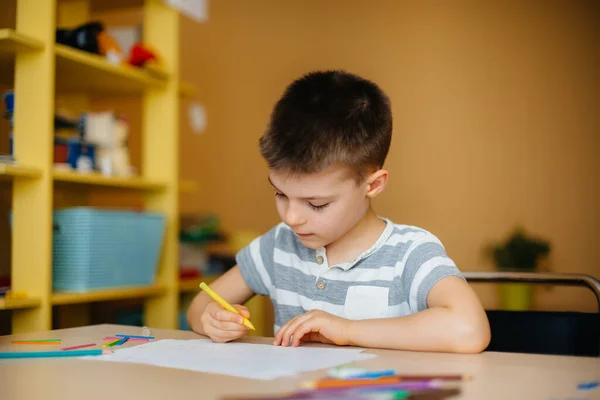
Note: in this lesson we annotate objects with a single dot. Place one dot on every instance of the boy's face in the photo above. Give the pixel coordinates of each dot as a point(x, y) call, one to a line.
point(320, 207)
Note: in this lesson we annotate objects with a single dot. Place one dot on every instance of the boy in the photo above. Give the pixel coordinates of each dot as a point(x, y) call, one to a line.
point(335, 271)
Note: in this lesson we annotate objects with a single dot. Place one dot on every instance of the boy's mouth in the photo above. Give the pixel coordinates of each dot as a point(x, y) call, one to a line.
point(304, 234)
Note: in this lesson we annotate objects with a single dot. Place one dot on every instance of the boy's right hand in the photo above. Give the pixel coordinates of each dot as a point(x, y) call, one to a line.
point(224, 326)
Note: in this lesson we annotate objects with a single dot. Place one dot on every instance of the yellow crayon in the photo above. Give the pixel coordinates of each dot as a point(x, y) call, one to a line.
point(224, 304)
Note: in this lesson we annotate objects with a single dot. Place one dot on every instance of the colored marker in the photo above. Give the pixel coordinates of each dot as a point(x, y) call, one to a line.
point(388, 380)
point(36, 341)
point(225, 304)
point(119, 335)
point(588, 385)
point(121, 341)
point(32, 342)
point(373, 374)
point(412, 386)
point(391, 394)
point(41, 354)
point(111, 344)
point(128, 337)
point(81, 346)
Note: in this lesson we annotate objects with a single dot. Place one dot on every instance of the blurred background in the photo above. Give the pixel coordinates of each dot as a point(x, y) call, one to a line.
point(496, 109)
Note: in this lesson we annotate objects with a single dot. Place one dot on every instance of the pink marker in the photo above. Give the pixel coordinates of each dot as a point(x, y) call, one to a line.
point(81, 346)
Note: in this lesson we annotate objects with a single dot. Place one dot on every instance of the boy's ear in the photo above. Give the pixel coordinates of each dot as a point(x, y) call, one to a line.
point(376, 182)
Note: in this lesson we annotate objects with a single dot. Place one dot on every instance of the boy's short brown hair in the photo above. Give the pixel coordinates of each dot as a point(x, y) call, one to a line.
point(327, 118)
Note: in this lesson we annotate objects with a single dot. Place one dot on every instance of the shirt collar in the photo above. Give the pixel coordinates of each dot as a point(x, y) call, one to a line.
point(389, 227)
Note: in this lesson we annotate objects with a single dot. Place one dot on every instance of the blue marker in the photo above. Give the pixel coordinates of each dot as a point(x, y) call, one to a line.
point(374, 374)
point(41, 354)
point(134, 336)
point(588, 385)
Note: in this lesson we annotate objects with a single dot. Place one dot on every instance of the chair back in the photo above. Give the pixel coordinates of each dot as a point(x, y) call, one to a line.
point(543, 332)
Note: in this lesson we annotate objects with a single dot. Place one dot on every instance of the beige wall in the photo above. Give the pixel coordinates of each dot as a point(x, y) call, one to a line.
point(496, 111)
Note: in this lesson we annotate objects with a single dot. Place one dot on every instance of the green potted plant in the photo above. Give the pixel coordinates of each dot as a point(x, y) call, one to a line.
point(521, 252)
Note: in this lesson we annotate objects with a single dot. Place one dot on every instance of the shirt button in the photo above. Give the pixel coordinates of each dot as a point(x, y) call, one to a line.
point(320, 260)
point(321, 285)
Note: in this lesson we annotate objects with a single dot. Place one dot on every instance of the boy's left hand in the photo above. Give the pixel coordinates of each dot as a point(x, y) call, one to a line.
point(314, 326)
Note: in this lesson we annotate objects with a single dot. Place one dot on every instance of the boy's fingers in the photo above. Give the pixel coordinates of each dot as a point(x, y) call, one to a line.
point(302, 330)
point(285, 328)
point(278, 337)
point(228, 326)
point(225, 336)
point(224, 315)
point(243, 310)
point(292, 327)
point(281, 332)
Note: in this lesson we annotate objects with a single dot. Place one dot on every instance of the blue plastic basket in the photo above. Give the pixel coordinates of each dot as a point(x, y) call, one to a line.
point(97, 249)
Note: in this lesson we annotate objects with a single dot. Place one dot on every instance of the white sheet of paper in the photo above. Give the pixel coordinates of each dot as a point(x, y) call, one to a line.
point(246, 360)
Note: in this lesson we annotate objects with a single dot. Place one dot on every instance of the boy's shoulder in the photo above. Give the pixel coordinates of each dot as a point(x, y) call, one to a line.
point(406, 234)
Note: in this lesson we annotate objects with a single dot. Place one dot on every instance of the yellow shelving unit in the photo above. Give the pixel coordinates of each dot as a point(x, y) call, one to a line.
point(15, 304)
point(42, 70)
point(94, 178)
point(12, 43)
point(12, 171)
point(77, 70)
point(107, 295)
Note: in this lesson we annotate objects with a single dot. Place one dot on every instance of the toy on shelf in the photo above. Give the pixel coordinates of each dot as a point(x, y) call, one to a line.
point(65, 148)
point(83, 37)
point(140, 55)
point(109, 48)
point(93, 37)
point(9, 103)
point(95, 141)
point(108, 132)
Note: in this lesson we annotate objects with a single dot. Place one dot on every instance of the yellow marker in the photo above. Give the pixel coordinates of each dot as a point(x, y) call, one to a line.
point(111, 343)
point(224, 304)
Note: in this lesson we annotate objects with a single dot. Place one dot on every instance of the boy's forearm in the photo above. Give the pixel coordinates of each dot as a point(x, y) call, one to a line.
point(435, 329)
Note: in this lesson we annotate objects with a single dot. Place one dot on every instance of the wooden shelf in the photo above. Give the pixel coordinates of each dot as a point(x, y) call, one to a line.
point(10, 171)
point(12, 42)
point(79, 71)
point(40, 70)
point(13, 304)
point(107, 295)
point(192, 284)
point(94, 178)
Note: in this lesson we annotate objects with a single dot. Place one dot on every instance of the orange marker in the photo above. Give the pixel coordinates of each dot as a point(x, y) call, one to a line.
point(30, 342)
point(390, 380)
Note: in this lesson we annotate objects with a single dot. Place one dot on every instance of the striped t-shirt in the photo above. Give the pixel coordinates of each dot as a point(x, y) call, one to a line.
point(391, 279)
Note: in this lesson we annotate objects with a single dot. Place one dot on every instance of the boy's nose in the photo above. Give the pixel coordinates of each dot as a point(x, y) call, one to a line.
point(293, 217)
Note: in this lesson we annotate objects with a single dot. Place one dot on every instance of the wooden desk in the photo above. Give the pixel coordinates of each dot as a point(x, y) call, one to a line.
point(495, 375)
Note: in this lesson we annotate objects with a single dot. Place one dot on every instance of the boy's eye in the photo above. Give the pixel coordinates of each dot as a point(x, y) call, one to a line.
point(279, 195)
point(320, 207)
